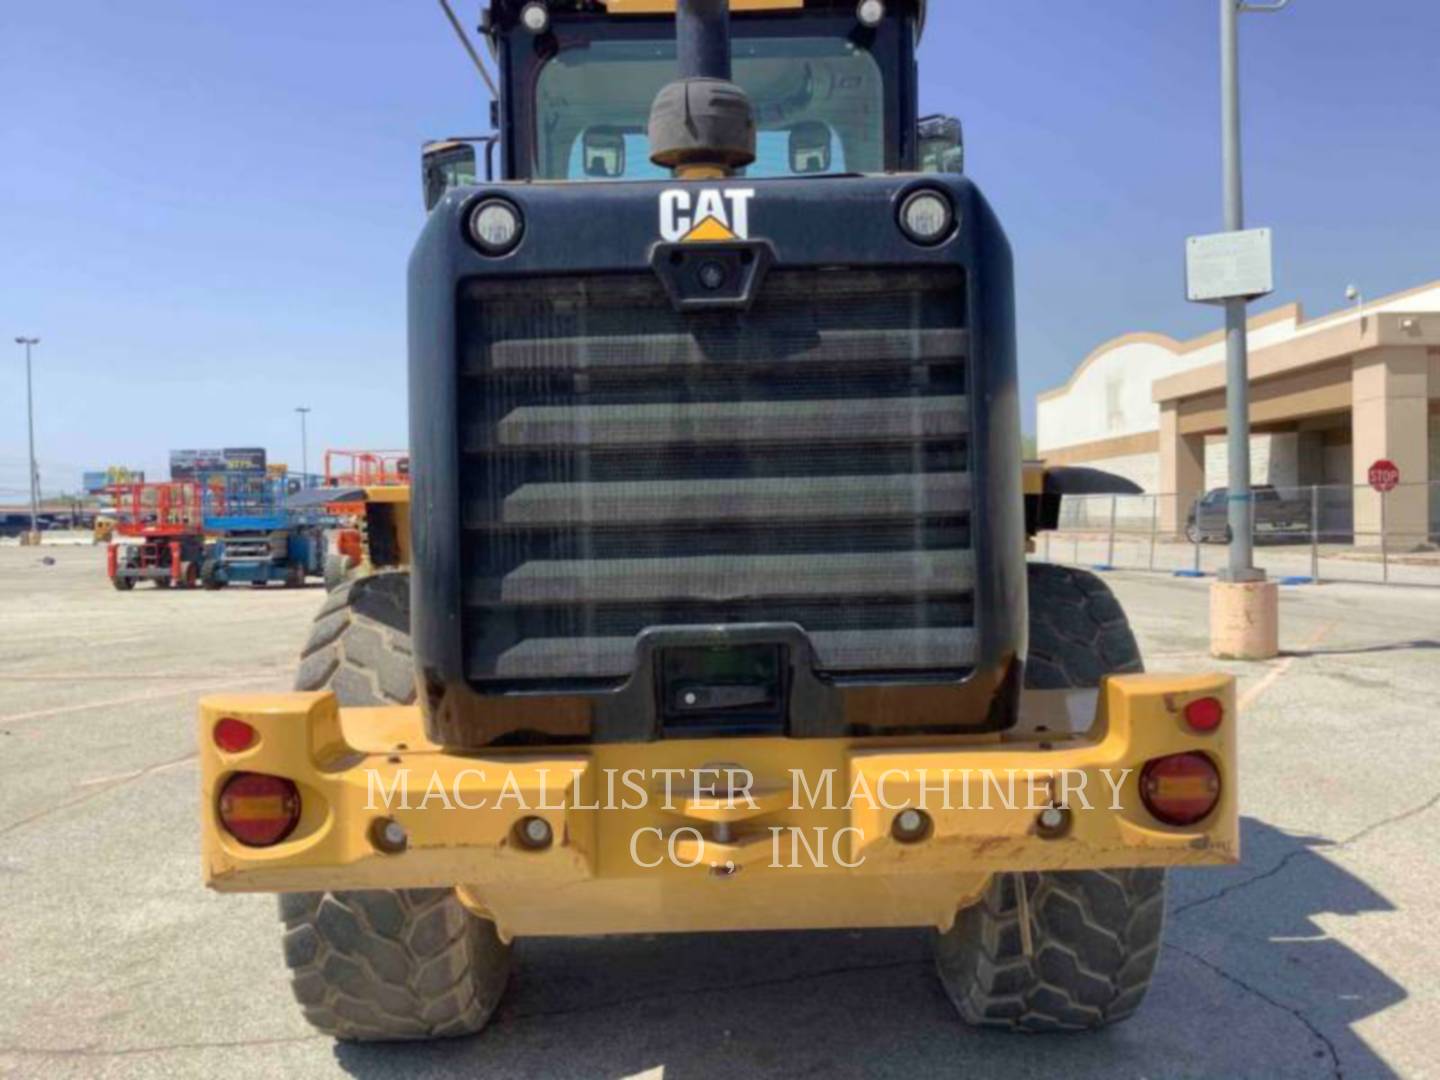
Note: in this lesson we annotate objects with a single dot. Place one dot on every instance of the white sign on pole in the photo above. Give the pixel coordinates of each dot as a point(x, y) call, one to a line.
point(1229, 266)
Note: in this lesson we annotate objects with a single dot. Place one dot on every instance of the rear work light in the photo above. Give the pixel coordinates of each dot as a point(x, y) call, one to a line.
point(1204, 715)
point(1180, 790)
point(233, 735)
point(259, 810)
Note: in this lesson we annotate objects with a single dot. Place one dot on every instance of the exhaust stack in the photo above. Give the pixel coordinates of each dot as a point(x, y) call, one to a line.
point(702, 126)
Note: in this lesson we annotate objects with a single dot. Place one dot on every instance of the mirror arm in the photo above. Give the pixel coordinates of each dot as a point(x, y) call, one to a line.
point(469, 48)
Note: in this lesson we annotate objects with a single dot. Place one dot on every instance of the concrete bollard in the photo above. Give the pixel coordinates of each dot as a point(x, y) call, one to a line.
point(1244, 620)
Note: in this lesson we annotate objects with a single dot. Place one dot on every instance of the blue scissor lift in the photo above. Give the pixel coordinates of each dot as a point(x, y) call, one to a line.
point(256, 537)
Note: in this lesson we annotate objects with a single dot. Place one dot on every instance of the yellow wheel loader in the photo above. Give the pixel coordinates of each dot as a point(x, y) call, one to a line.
point(708, 607)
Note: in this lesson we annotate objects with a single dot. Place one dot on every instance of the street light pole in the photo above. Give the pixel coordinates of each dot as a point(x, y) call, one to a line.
point(1237, 359)
point(30, 342)
point(304, 447)
point(1237, 347)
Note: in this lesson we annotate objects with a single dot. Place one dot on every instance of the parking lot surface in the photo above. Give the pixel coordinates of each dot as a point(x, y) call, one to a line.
point(1317, 957)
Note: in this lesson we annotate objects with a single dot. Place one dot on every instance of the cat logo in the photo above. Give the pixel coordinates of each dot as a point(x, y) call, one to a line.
point(688, 216)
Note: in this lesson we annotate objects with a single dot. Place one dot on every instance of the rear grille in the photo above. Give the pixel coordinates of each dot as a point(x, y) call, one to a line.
point(624, 467)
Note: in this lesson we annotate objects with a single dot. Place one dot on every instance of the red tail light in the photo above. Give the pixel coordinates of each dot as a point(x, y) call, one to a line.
point(259, 810)
point(1180, 790)
point(233, 735)
point(1204, 715)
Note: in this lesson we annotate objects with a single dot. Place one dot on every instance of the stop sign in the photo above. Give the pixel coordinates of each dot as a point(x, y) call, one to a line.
point(1384, 476)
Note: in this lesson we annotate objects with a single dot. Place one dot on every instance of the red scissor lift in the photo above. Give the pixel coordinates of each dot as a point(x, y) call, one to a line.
point(366, 468)
point(159, 534)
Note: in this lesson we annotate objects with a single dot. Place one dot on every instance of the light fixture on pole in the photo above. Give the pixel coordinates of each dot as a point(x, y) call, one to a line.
point(304, 411)
point(1352, 293)
point(29, 343)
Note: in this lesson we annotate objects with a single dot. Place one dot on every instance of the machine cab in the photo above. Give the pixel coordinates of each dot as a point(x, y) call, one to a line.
point(833, 86)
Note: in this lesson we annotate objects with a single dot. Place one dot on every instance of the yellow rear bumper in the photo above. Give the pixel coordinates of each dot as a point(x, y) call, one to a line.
point(710, 834)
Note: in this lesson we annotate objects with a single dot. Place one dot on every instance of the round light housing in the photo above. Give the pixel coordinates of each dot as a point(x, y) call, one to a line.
point(234, 736)
point(1181, 789)
point(1204, 715)
point(259, 810)
point(495, 226)
point(927, 217)
point(870, 12)
point(535, 17)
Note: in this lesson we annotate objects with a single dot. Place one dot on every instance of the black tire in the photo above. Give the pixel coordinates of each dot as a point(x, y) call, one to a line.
point(1078, 631)
point(122, 584)
point(337, 571)
point(375, 966)
point(1193, 534)
point(360, 644)
point(1095, 934)
point(210, 575)
point(386, 966)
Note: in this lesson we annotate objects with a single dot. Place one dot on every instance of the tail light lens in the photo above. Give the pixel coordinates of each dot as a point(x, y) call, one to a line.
point(233, 736)
point(1180, 790)
point(1204, 715)
point(259, 810)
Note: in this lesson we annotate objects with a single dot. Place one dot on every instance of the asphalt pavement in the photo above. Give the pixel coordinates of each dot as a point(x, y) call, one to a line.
point(1317, 957)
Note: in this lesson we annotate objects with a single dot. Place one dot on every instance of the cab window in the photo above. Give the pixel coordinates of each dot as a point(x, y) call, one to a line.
point(593, 103)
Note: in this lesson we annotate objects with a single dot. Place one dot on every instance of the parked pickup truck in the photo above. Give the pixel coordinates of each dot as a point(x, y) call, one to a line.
point(1209, 518)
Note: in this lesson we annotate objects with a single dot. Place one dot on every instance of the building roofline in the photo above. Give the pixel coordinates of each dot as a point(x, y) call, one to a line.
point(1258, 322)
point(1170, 344)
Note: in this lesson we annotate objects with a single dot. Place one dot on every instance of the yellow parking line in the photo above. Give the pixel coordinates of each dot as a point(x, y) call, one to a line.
point(1279, 670)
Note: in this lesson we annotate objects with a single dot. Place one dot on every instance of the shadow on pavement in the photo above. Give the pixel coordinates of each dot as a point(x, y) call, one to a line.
point(1248, 986)
point(1398, 646)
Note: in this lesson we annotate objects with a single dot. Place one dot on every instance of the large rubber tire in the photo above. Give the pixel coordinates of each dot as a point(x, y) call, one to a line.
point(1096, 937)
point(1095, 934)
point(377, 966)
point(337, 571)
point(122, 584)
point(384, 966)
point(360, 644)
point(1078, 631)
point(210, 575)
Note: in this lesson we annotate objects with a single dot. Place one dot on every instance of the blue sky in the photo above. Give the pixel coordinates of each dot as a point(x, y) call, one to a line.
point(205, 209)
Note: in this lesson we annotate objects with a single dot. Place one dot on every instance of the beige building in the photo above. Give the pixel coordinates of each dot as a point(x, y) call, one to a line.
point(1329, 397)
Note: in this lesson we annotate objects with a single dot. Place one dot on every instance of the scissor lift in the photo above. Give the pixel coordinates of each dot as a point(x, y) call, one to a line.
point(255, 537)
point(348, 474)
point(159, 534)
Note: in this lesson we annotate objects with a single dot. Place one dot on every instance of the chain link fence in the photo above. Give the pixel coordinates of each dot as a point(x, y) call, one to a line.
point(1301, 534)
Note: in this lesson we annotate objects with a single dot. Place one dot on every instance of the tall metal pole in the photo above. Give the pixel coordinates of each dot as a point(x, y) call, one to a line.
point(28, 342)
point(1237, 361)
point(304, 448)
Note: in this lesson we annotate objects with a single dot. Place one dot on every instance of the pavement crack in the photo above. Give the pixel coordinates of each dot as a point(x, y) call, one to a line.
point(1254, 991)
point(95, 792)
point(1289, 857)
point(756, 984)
